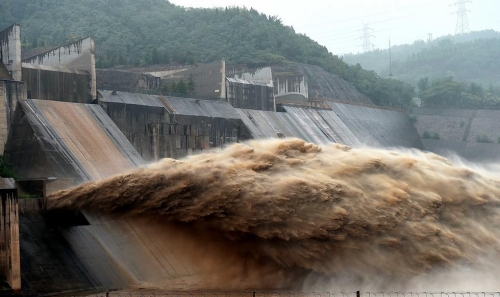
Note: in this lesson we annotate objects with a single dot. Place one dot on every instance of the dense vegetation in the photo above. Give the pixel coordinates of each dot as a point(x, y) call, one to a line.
point(181, 88)
point(5, 170)
point(447, 92)
point(145, 32)
point(473, 57)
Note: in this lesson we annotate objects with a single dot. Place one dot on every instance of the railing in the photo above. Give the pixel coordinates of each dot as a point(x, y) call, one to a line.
point(159, 92)
point(361, 104)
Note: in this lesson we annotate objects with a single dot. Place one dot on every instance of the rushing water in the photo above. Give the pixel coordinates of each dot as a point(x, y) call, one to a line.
point(360, 218)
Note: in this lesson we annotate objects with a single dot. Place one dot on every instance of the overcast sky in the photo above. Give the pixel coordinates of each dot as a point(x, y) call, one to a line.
point(337, 24)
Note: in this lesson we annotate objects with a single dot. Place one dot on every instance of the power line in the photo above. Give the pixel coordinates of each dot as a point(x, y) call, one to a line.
point(350, 30)
point(462, 19)
point(343, 20)
point(365, 37)
point(366, 16)
point(341, 36)
point(356, 37)
point(331, 42)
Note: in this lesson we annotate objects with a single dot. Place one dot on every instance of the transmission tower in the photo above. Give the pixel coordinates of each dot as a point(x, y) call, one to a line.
point(365, 37)
point(462, 19)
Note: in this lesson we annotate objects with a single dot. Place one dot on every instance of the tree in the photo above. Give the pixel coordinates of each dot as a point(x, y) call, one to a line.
point(446, 92)
point(121, 60)
point(181, 89)
point(423, 84)
point(165, 89)
point(491, 89)
point(166, 58)
point(469, 57)
point(5, 170)
point(476, 89)
point(191, 85)
point(196, 35)
point(155, 56)
point(173, 88)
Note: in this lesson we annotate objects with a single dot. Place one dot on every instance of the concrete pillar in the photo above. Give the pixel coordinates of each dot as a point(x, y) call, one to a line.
point(78, 55)
point(305, 87)
point(223, 80)
point(10, 48)
point(9, 239)
point(10, 93)
point(4, 125)
point(15, 256)
point(92, 70)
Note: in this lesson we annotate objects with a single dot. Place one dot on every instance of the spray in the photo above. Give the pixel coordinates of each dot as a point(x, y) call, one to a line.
point(344, 218)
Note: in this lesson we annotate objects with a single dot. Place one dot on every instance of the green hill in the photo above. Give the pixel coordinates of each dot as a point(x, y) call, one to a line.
point(145, 32)
point(473, 57)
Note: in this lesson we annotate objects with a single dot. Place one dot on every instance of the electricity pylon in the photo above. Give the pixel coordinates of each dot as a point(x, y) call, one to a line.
point(365, 37)
point(462, 19)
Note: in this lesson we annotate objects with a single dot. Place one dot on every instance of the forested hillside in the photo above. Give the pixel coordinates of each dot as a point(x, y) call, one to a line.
point(447, 92)
point(473, 57)
point(145, 32)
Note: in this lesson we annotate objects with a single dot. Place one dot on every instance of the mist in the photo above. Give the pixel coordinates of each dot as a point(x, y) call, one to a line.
point(330, 217)
point(338, 24)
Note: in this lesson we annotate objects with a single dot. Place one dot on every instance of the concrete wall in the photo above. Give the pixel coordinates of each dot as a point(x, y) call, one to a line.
point(4, 73)
point(320, 83)
point(10, 265)
point(291, 97)
point(451, 128)
point(57, 83)
point(248, 95)
point(288, 87)
point(48, 264)
point(459, 124)
point(210, 79)
point(378, 127)
point(286, 83)
point(43, 187)
point(485, 126)
point(148, 82)
point(10, 93)
point(157, 134)
point(117, 80)
point(261, 75)
point(162, 73)
point(121, 80)
point(67, 140)
point(312, 125)
point(450, 124)
point(471, 134)
point(77, 55)
point(10, 50)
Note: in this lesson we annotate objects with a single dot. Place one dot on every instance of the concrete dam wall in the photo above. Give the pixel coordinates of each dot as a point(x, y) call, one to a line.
point(322, 84)
point(69, 143)
point(161, 127)
point(471, 134)
point(66, 140)
point(56, 140)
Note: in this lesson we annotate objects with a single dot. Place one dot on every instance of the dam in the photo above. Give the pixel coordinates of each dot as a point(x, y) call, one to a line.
point(89, 154)
point(96, 249)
